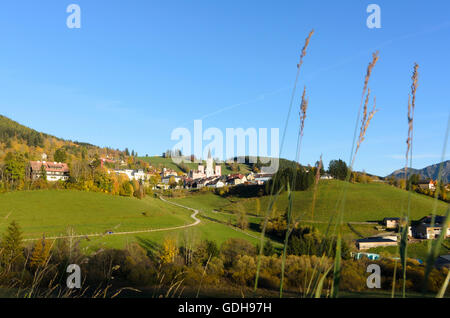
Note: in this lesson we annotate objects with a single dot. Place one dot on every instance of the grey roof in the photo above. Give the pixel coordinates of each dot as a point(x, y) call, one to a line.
point(375, 239)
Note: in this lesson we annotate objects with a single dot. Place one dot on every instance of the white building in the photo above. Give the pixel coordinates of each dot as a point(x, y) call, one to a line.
point(133, 174)
point(166, 180)
point(211, 171)
point(54, 171)
point(261, 178)
point(216, 184)
point(168, 172)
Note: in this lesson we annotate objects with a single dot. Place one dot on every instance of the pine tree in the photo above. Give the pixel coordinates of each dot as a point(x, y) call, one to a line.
point(12, 246)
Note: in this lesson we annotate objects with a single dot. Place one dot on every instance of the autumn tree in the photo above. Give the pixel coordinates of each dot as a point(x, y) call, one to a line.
point(241, 217)
point(14, 167)
point(41, 253)
point(169, 251)
point(126, 190)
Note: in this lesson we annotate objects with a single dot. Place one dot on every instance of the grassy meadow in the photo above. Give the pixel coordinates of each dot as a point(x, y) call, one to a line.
point(364, 203)
point(54, 212)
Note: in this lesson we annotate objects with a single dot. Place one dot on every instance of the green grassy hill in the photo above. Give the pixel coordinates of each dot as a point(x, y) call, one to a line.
point(365, 202)
point(53, 212)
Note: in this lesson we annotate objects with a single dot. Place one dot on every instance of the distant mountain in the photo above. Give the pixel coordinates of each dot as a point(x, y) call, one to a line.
point(429, 172)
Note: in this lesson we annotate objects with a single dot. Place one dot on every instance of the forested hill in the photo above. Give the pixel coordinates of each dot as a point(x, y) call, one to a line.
point(9, 129)
point(15, 137)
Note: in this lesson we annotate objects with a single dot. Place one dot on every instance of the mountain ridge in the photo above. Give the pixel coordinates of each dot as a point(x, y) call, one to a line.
point(428, 172)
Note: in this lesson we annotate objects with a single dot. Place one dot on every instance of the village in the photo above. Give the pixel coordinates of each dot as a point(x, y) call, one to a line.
point(210, 176)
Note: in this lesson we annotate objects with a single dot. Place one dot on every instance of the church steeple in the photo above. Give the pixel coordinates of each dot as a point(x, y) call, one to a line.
point(209, 165)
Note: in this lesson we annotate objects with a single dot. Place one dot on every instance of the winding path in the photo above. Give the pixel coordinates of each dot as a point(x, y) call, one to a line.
point(193, 216)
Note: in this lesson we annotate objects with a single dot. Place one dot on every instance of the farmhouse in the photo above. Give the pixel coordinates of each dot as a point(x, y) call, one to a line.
point(376, 241)
point(426, 229)
point(428, 185)
point(236, 179)
point(168, 172)
point(133, 174)
point(216, 184)
point(168, 179)
point(391, 223)
point(55, 171)
point(261, 178)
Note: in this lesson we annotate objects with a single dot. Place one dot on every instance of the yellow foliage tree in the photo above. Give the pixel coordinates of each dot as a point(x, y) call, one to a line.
point(41, 253)
point(169, 251)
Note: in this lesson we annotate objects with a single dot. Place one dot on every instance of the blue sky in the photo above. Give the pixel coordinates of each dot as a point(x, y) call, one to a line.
point(136, 70)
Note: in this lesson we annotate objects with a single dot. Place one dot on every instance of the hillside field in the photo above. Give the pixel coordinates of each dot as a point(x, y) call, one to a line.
point(53, 212)
point(365, 203)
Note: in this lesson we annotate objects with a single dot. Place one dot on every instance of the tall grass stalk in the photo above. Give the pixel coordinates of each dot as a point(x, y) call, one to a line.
point(433, 249)
point(394, 279)
point(408, 155)
point(316, 183)
point(289, 224)
point(283, 261)
point(340, 204)
point(273, 197)
point(443, 288)
point(319, 287)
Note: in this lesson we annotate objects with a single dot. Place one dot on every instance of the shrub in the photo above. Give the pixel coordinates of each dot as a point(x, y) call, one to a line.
point(234, 247)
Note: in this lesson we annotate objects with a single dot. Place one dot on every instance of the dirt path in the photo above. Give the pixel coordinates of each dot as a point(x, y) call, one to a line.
point(193, 216)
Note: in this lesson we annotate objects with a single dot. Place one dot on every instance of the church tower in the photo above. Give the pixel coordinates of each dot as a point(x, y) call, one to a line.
point(209, 165)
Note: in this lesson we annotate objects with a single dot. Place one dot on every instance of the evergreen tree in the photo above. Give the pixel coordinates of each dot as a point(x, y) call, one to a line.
point(43, 173)
point(338, 169)
point(268, 249)
point(60, 155)
point(12, 247)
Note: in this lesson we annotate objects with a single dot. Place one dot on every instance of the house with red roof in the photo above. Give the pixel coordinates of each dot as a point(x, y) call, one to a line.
point(55, 171)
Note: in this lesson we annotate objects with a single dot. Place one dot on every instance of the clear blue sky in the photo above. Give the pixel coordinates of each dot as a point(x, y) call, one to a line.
point(138, 69)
